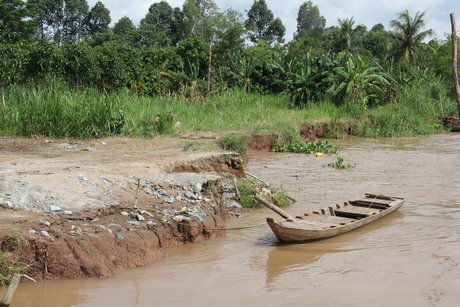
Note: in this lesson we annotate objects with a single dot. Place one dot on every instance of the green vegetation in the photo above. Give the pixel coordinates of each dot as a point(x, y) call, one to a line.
point(8, 262)
point(248, 187)
point(307, 148)
point(236, 143)
point(339, 163)
point(65, 72)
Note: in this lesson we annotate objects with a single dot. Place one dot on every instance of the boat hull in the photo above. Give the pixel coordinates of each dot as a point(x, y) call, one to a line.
point(330, 221)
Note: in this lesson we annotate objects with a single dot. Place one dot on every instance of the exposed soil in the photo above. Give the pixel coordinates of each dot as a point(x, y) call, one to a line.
point(83, 209)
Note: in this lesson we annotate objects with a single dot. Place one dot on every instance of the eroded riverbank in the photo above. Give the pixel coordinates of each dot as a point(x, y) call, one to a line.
point(84, 209)
point(409, 258)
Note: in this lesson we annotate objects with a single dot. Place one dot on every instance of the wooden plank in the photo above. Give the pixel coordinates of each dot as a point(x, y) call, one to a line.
point(6, 301)
point(333, 219)
point(355, 210)
point(272, 206)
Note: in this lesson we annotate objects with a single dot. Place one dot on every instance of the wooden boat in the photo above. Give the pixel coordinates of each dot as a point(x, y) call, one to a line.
point(333, 220)
point(452, 122)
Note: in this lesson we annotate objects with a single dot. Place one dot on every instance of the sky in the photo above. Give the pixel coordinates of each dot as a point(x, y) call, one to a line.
point(367, 12)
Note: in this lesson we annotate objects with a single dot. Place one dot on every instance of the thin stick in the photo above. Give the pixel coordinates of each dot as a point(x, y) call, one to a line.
point(255, 177)
point(28, 277)
point(6, 301)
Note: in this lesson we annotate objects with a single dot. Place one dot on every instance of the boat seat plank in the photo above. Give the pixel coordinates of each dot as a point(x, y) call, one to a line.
point(328, 218)
point(376, 201)
point(360, 211)
point(309, 224)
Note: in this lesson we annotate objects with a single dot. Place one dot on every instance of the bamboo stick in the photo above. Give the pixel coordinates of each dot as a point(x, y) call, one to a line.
point(272, 206)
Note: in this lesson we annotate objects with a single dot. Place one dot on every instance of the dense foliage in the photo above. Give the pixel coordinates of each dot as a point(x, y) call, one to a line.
point(198, 50)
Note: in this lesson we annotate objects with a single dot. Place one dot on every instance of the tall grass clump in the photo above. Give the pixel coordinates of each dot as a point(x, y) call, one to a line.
point(236, 143)
point(56, 111)
point(417, 110)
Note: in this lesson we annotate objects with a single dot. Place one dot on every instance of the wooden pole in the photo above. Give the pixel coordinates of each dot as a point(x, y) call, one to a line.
point(454, 61)
point(6, 301)
point(272, 206)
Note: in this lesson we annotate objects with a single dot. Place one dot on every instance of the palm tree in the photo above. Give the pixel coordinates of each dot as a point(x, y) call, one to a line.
point(358, 82)
point(347, 31)
point(408, 35)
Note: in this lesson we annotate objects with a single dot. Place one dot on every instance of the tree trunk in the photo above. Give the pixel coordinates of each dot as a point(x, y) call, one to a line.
point(454, 62)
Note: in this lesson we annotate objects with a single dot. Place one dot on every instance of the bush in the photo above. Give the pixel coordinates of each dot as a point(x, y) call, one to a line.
point(307, 148)
point(236, 143)
point(161, 124)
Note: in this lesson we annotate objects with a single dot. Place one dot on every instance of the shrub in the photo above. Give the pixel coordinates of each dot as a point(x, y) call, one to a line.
point(236, 143)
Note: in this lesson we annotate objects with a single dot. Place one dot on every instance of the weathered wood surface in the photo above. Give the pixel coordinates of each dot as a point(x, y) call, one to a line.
point(272, 206)
point(6, 301)
point(331, 221)
point(454, 61)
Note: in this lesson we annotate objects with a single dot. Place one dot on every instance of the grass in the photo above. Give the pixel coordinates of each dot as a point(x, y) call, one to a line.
point(236, 143)
point(248, 187)
point(56, 111)
point(8, 264)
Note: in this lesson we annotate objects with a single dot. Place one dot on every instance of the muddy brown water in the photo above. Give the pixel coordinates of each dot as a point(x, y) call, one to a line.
point(409, 258)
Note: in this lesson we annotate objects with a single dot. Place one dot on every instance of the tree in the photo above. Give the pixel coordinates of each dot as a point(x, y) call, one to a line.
point(309, 21)
point(347, 32)
point(200, 18)
point(376, 41)
point(14, 25)
point(47, 16)
point(229, 34)
point(162, 25)
point(98, 19)
point(408, 36)
point(73, 23)
point(262, 25)
point(124, 30)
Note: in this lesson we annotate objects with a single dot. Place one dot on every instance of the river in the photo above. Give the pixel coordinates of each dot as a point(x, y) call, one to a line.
point(410, 258)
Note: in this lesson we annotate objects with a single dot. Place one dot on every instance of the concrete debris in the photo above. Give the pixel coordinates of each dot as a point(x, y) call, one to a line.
point(54, 208)
point(120, 236)
point(44, 234)
point(134, 223)
point(46, 223)
point(146, 213)
point(68, 212)
point(234, 205)
point(197, 187)
point(191, 195)
point(182, 218)
point(124, 213)
point(169, 200)
point(32, 231)
point(140, 217)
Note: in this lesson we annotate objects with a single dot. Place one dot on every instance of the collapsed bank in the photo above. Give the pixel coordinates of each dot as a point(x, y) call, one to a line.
point(85, 209)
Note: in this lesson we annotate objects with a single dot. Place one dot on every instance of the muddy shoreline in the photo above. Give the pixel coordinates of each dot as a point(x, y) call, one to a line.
point(72, 209)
